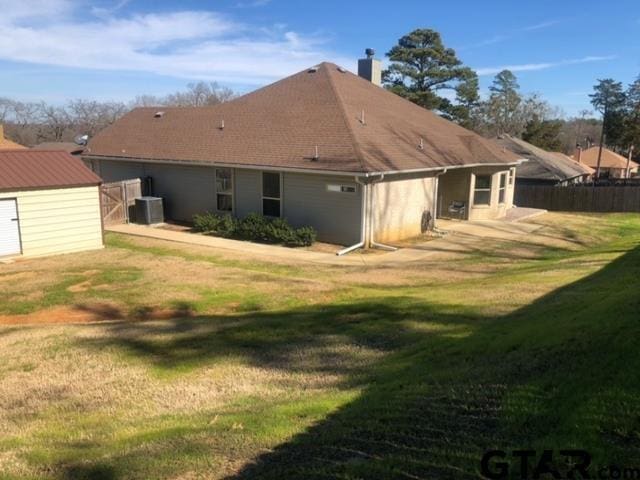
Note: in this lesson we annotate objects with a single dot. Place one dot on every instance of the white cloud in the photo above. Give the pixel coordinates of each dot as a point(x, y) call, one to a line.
point(252, 3)
point(185, 44)
point(527, 67)
point(507, 36)
point(539, 26)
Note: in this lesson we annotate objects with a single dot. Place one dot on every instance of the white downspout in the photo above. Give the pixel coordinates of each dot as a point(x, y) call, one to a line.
point(372, 242)
point(363, 227)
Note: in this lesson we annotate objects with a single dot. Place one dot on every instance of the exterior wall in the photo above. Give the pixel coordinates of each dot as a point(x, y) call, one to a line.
point(494, 209)
point(459, 184)
point(400, 204)
point(305, 199)
point(248, 185)
point(335, 215)
point(186, 190)
point(453, 186)
point(58, 220)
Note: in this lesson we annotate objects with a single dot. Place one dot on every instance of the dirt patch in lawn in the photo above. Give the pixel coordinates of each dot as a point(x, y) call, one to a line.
point(92, 313)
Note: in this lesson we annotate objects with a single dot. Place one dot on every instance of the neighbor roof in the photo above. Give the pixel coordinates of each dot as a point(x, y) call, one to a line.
point(543, 165)
point(609, 159)
point(68, 147)
point(32, 169)
point(356, 126)
point(6, 144)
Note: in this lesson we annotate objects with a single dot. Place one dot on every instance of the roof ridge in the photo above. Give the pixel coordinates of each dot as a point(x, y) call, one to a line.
point(345, 118)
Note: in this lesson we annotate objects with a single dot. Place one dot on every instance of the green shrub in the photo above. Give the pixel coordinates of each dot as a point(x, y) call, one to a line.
point(279, 231)
point(206, 223)
point(303, 237)
point(255, 227)
point(227, 226)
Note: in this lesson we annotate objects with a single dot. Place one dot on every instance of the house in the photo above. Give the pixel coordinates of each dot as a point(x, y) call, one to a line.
point(49, 203)
point(612, 165)
point(323, 147)
point(543, 167)
point(69, 147)
point(6, 144)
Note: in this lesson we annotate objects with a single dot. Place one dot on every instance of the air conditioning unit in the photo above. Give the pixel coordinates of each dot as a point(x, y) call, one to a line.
point(149, 210)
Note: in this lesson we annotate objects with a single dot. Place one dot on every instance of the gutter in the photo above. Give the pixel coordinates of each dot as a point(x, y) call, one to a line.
point(297, 170)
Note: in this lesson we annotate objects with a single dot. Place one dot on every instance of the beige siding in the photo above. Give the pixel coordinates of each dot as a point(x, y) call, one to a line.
point(58, 220)
point(399, 206)
point(495, 209)
point(458, 185)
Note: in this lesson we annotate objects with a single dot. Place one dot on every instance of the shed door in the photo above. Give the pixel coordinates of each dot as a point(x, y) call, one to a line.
point(9, 228)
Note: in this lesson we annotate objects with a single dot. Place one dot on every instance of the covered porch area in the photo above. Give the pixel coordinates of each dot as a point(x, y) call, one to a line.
point(475, 193)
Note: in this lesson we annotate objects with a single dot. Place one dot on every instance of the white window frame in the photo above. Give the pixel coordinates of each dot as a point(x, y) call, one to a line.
point(512, 175)
point(503, 190)
point(476, 189)
point(232, 194)
point(341, 188)
point(262, 196)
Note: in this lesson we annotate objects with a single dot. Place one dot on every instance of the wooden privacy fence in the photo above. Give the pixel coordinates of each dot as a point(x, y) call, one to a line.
point(580, 198)
point(118, 200)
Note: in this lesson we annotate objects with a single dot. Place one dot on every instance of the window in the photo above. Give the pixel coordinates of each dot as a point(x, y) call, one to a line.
point(512, 175)
point(271, 194)
point(224, 190)
point(482, 192)
point(341, 188)
point(502, 191)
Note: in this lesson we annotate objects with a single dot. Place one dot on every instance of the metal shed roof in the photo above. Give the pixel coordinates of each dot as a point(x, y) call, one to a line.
point(33, 169)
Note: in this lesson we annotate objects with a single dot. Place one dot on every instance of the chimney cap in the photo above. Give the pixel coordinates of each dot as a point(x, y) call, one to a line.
point(370, 52)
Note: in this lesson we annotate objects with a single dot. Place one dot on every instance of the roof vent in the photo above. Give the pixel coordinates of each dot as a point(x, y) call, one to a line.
point(158, 115)
point(342, 69)
point(313, 69)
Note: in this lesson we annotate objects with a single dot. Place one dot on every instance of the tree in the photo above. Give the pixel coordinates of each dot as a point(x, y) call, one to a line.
point(608, 98)
point(544, 134)
point(422, 68)
point(504, 104)
point(632, 116)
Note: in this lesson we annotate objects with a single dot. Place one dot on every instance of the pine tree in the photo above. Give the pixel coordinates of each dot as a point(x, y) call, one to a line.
point(504, 104)
point(422, 67)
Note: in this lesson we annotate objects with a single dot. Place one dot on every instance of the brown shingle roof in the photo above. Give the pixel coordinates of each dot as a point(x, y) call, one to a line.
point(542, 165)
point(609, 159)
point(32, 169)
point(281, 124)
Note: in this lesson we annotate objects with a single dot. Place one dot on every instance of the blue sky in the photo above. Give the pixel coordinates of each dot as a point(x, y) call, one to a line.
point(56, 50)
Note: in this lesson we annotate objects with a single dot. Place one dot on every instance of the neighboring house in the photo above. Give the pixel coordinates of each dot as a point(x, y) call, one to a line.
point(323, 147)
point(49, 203)
point(612, 165)
point(6, 144)
point(69, 147)
point(543, 167)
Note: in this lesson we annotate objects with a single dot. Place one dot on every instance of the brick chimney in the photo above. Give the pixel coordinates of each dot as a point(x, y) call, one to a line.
point(370, 68)
point(577, 156)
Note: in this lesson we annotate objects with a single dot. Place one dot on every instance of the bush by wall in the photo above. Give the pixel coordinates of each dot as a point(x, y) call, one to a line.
point(256, 228)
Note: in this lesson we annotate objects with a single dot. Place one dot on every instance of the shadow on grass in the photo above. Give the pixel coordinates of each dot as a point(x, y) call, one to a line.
point(563, 372)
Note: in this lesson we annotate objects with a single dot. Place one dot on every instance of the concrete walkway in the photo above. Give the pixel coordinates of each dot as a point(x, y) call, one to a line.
point(461, 236)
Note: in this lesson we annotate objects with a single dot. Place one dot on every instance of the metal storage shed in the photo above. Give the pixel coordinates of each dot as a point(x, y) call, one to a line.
point(49, 204)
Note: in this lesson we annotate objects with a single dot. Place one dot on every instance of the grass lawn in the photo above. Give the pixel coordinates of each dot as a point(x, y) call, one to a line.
point(199, 363)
